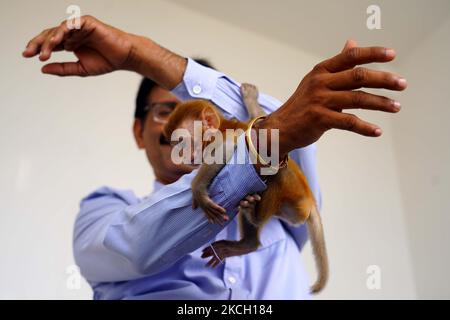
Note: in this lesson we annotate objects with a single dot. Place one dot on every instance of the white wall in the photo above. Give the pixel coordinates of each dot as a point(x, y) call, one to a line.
point(61, 138)
point(422, 136)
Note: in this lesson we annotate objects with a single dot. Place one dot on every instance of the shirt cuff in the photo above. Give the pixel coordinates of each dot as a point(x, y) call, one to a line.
point(198, 82)
point(242, 180)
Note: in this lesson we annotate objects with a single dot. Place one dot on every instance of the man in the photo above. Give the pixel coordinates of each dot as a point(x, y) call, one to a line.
point(150, 248)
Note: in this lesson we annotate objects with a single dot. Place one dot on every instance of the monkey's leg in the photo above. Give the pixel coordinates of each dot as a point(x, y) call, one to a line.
point(205, 174)
point(296, 194)
point(250, 97)
point(295, 213)
point(200, 198)
point(220, 250)
point(251, 221)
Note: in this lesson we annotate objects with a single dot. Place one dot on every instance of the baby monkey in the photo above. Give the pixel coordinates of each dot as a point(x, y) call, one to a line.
point(287, 195)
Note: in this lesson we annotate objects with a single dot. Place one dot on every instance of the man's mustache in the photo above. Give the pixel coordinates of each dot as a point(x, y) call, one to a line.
point(163, 140)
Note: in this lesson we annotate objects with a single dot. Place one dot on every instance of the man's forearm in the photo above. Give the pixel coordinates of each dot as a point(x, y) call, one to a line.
point(155, 62)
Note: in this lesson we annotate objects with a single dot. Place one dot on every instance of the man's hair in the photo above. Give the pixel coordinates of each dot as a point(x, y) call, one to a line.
point(147, 85)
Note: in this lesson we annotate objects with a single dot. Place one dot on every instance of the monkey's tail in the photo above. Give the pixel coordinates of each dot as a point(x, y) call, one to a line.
point(315, 230)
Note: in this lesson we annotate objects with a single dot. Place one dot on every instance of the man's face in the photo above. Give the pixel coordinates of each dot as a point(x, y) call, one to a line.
point(149, 137)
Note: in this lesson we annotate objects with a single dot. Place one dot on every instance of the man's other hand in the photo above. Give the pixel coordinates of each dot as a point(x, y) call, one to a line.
point(99, 48)
point(332, 86)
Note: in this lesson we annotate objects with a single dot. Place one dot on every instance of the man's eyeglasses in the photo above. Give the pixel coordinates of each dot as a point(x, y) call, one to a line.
point(161, 111)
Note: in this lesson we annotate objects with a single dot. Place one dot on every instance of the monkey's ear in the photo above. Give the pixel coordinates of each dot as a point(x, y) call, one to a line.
point(210, 117)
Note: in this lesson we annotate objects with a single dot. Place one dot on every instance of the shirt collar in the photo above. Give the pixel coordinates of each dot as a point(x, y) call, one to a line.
point(157, 185)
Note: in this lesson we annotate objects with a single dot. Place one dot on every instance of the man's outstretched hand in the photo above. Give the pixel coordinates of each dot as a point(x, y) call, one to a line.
point(101, 49)
point(316, 105)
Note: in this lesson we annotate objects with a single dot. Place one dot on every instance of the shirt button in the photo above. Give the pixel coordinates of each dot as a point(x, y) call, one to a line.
point(232, 280)
point(197, 89)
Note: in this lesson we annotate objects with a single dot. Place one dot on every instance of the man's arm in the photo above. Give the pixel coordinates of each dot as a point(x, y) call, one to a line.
point(115, 241)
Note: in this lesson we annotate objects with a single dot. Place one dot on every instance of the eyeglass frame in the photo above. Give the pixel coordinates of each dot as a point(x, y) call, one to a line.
point(151, 107)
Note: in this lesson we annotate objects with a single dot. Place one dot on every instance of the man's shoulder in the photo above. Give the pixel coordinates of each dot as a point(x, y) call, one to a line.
point(109, 194)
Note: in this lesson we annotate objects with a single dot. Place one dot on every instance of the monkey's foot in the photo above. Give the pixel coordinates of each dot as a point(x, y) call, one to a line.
point(220, 250)
point(247, 206)
point(249, 91)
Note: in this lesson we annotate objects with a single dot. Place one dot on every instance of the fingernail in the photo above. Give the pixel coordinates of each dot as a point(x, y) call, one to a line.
point(401, 82)
point(397, 105)
point(390, 53)
point(378, 132)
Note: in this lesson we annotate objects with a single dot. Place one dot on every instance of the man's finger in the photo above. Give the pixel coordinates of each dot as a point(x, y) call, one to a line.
point(362, 77)
point(350, 122)
point(64, 69)
point(356, 56)
point(34, 45)
point(54, 41)
point(47, 45)
point(361, 100)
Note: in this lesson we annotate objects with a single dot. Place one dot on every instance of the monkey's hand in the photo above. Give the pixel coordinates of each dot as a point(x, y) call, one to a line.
point(247, 206)
point(214, 213)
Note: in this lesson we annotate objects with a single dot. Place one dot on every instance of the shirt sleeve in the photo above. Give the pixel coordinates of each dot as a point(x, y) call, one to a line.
point(200, 82)
point(118, 239)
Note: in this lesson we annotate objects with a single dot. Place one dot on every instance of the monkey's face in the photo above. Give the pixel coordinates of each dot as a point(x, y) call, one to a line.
point(190, 128)
point(191, 136)
point(149, 136)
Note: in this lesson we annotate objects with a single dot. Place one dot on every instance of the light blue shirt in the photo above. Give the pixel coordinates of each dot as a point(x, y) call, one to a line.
point(150, 248)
